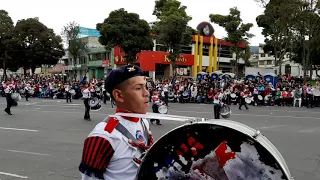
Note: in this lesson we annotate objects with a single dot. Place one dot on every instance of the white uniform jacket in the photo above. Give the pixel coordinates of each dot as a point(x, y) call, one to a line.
point(107, 153)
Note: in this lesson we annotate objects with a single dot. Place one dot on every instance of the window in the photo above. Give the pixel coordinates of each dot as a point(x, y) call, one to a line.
point(159, 70)
point(263, 55)
point(82, 60)
point(269, 62)
point(186, 49)
point(162, 48)
point(287, 69)
point(98, 57)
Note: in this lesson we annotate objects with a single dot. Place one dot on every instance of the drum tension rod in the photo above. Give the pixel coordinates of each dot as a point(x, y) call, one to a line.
point(256, 134)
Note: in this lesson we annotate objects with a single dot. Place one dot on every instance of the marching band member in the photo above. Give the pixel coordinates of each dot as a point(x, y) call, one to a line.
point(310, 96)
point(242, 101)
point(86, 95)
point(216, 106)
point(155, 101)
point(114, 149)
point(227, 95)
point(8, 89)
point(67, 88)
point(255, 96)
point(26, 89)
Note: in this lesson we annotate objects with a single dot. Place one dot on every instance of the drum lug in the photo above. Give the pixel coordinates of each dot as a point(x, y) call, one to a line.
point(256, 134)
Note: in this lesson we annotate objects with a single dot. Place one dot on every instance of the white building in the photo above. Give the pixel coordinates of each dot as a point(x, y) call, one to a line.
point(265, 60)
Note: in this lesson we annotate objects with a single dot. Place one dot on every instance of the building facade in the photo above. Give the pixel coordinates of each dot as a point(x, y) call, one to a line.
point(98, 61)
point(194, 58)
point(266, 60)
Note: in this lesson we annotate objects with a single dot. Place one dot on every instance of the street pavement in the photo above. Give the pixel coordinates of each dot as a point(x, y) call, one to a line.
point(43, 138)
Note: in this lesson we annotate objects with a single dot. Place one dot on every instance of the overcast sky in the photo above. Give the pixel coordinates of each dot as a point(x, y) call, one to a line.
point(55, 14)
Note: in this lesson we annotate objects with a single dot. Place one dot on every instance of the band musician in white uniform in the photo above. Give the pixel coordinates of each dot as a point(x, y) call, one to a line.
point(216, 106)
point(113, 149)
point(86, 95)
point(8, 89)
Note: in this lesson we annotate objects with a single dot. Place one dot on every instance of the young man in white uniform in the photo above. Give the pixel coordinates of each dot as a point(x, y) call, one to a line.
point(109, 153)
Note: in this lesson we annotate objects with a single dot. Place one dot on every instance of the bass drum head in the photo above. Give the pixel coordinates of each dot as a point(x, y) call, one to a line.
point(94, 102)
point(185, 94)
point(16, 96)
point(163, 109)
point(225, 111)
point(223, 150)
point(260, 97)
point(97, 107)
point(72, 91)
point(248, 101)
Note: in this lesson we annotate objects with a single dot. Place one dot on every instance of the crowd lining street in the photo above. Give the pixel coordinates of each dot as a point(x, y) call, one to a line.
point(43, 138)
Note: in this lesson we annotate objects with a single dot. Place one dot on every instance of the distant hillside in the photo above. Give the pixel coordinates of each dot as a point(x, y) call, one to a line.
point(254, 49)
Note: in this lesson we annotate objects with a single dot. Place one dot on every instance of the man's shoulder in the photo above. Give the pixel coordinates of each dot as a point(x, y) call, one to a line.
point(102, 131)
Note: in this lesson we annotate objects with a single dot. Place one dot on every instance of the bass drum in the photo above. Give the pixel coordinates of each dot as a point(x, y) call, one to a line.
point(16, 96)
point(248, 100)
point(225, 111)
point(94, 102)
point(217, 149)
point(162, 109)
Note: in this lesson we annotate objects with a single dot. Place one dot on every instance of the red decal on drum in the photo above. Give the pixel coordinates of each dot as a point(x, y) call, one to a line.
point(222, 155)
point(179, 153)
point(191, 141)
point(184, 148)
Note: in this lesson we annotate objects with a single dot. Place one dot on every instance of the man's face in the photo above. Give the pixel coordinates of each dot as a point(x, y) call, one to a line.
point(133, 96)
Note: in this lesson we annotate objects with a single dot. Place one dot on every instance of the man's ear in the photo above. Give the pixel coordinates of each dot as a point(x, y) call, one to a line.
point(117, 95)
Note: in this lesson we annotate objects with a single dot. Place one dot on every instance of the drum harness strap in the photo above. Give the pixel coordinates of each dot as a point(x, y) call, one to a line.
point(133, 141)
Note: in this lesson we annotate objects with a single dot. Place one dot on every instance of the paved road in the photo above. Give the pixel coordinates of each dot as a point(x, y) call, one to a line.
point(43, 139)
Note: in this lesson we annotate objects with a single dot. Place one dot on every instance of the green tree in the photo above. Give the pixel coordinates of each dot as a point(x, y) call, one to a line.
point(76, 47)
point(237, 31)
point(172, 28)
point(35, 45)
point(6, 25)
point(277, 22)
point(307, 25)
point(127, 31)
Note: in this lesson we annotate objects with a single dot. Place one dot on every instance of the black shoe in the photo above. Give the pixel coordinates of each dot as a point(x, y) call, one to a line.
point(8, 112)
point(159, 124)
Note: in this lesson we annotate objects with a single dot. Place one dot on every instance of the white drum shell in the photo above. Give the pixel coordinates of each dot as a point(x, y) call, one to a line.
point(94, 102)
point(16, 96)
point(72, 91)
point(163, 109)
point(225, 111)
point(31, 92)
point(248, 100)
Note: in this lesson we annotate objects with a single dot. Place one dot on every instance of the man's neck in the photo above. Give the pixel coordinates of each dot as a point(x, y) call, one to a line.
point(133, 119)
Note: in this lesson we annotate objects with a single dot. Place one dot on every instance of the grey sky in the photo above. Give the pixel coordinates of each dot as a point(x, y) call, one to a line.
point(56, 14)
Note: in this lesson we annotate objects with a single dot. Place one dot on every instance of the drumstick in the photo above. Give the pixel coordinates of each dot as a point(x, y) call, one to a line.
point(159, 116)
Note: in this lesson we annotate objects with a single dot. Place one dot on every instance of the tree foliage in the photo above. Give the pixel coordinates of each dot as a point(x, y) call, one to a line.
point(292, 28)
point(33, 44)
point(76, 47)
point(6, 26)
point(307, 51)
point(237, 32)
point(172, 28)
point(127, 31)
